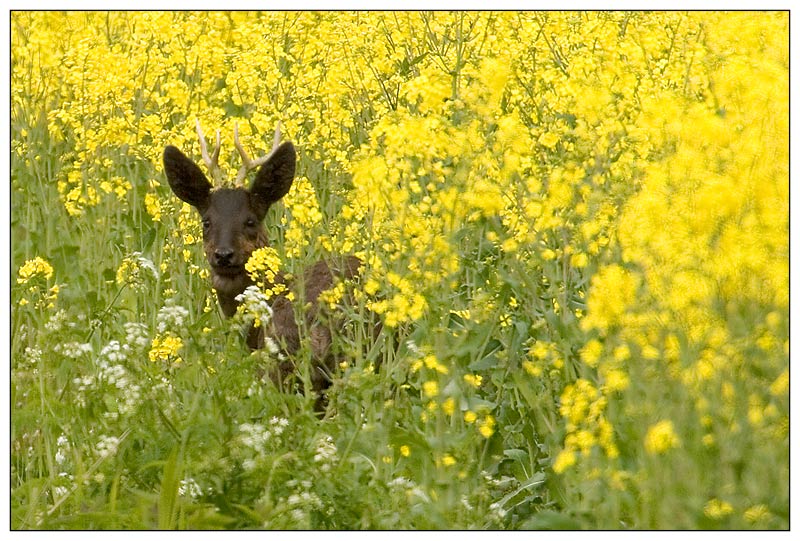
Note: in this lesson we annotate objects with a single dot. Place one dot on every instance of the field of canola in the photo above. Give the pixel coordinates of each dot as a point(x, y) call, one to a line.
point(574, 229)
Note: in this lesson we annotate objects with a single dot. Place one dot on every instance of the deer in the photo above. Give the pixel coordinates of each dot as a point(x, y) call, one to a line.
point(233, 228)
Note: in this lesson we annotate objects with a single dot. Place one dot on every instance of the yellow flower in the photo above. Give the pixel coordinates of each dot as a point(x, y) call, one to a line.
point(431, 362)
point(486, 426)
point(579, 402)
point(132, 270)
point(564, 460)
point(473, 379)
point(579, 260)
point(622, 353)
point(430, 389)
point(449, 406)
point(333, 295)
point(470, 416)
point(263, 260)
point(34, 267)
point(531, 368)
point(263, 267)
point(548, 139)
point(585, 440)
point(616, 380)
point(612, 290)
point(371, 286)
point(590, 353)
point(757, 513)
point(165, 348)
point(405, 450)
point(780, 387)
point(153, 206)
point(717, 509)
point(661, 437)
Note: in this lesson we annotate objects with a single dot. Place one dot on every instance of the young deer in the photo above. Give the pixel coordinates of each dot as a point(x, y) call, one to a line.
point(232, 229)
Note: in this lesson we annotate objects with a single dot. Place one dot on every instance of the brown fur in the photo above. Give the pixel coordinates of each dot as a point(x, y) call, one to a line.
point(233, 229)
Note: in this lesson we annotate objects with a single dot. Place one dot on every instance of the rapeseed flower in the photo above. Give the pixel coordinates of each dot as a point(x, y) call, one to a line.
point(264, 266)
point(430, 389)
point(486, 426)
point(717, 509)
point(152, 205)
point(757, 513)
point(33, 268)
point(131, 272)
point(661, 437)
point(564, 460)
point(473, 379)
point(165, 349)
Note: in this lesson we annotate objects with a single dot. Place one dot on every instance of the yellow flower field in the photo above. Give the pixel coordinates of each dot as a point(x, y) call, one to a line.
point(573, 306)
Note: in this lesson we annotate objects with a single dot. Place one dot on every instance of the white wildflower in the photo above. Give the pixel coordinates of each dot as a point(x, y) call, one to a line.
point(33, 355)
point(254, 309)
point(115, 352)
point(170, 317)
point(56, 321)
point(63, 447)
point(189, 487)
point(271, 345)
point(325, 454)
point(255, 389)
point(107, 446)
point(277, 425)
point(419, 494)
point(497, 511)
point(73, 349)
point(136, 335)
point(84, 382)
point(254, 436)
point(402, 483)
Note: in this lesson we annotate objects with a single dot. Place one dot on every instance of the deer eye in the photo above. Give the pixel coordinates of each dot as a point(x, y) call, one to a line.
point(206, 224)
point(250, 222)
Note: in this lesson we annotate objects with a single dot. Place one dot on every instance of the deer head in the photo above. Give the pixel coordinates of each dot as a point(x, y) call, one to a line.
point(232, 217)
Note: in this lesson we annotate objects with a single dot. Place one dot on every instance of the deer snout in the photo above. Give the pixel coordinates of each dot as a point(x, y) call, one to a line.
point(223, 257)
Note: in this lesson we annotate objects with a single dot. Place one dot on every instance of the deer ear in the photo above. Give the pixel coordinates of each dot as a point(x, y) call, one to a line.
point(186, 179)
point(274, 178)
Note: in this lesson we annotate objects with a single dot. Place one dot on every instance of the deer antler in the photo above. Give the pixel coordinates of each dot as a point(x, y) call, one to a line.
point(211, 162)
point(247, 163)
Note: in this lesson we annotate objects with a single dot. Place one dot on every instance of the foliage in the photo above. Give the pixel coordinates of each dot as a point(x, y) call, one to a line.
point(574, 229)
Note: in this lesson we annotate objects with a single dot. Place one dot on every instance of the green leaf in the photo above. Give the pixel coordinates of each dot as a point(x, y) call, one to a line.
point(551, 520)
point(168, 496)
point(516, 454)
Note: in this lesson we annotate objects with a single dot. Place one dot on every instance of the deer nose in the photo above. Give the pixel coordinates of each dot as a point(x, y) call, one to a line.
point(223, 256)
